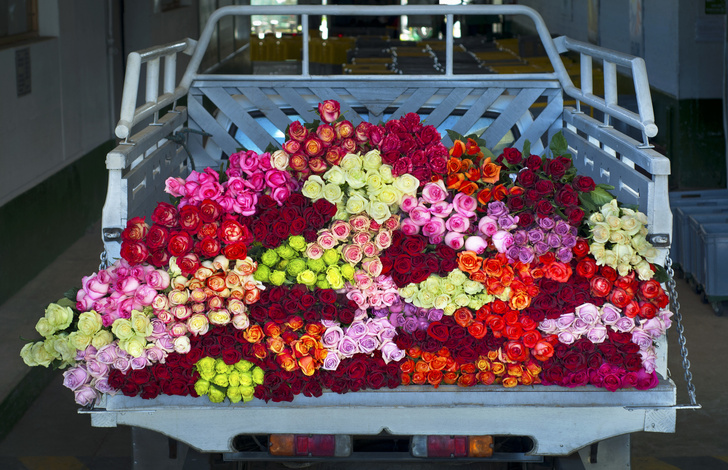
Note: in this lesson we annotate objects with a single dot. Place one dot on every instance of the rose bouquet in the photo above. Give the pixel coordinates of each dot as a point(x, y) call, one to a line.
point(366, 257)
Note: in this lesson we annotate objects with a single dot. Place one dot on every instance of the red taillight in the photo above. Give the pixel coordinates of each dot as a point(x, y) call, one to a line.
point(447, 446)
point(452, 446)
point(313, 445)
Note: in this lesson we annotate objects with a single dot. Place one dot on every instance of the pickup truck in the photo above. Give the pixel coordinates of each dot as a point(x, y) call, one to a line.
point(261, 108)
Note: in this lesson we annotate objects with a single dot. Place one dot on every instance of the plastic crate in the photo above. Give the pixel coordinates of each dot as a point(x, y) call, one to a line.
point(694, 262)
point(682, 235)
point(690, 200)
point(714, 240)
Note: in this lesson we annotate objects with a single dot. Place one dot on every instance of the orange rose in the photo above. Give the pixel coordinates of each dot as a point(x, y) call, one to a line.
point(453, 165)
point(516, 191)
point(467, 380)
point(520, 301)
point(526, 378)
point(490, 171)
point(498, 368)
point(484, 196)
point(414, 352)
point(515, 370)
point(444, 352)
point(533, 368)
point(272, 329)
point(483, 364)
point(434, 377)
point(407, 366)
point(304, 345)
point(315, 330)
point(468, 261)
point(492, 267)
point(494, 286)
point(216, 282)
point(499, 192)
point(454, 181)
point(450, 377)
point(422, 366)
point(478, 276)
point(468, 187)
point(438, 363)
point(427, 356)
point(472, 147)
point(486, 377)
point(468, 368)
point(419, 378)
point(232, 280)
point(287, 362)
point(492, 356)
point(510, 382)
point(295, 323)
point(254, 334)
point(275, 345)
point(463, 317)
point(458, 148)
point(451, 366)
point(543, 350)
point(307, 364)
point(473, 174)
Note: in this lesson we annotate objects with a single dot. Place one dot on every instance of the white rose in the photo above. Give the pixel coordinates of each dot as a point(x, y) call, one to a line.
point(313, 188)
point(351, 161)
point(372, 160)
point(333, 193)
point(407, 184)
point(335, 175)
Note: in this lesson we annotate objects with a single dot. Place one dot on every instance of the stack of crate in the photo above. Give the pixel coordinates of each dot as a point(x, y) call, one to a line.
point(700, 242)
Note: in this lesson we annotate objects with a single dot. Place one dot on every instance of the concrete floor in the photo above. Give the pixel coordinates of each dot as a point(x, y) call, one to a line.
point(52, 435)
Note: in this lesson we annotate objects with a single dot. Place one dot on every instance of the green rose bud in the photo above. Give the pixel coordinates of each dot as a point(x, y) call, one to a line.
point(59, 317)
point(334, 277)
point(296, 266)
point(234, 394)
point(286, 252)
point(248, 393)
point(347, 271)
point(277, 278)
point(215, 394)
point(221, 367)
point(246, 379)
point(323, 284)
point(44, 327)
point(243, 365)
point(307, 278)
point(206, 364)
point(258, 375)
point(89, 323)
point(27, 355)
point(79, 340)
point(122, 328)
point(270, 258)
point(262, 274)
point(297, 242)
point(331, 256)
point(316, 265)
point(234, 378)
point(202, 386)
point(42, 355)
point(221, 380)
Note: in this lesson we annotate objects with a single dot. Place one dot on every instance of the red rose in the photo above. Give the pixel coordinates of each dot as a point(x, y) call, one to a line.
point(533, 162)
point(647, 310)
point(402, 264)
point(189, 263)
point(180, 243)
point(136, 229)
point(414, 245)
point(438, 331)
point(231, 231)
point(609, 272)
point(581, 248)
point(516, 203)
point(544, 208)
point(512, 155)
point(648, 289)
point(165, 214)
point(189, 219)
point(516, 351)
point(619, 297)
point(356, 369)
point(208, 247)
point(159, 258)
point(583, 184)
point(157, 237)
point(567, 197)
point(428, 134)
point(134, 252)
point(600, 286)
point(139, 376)
point(527, 178)
point(329, 110)
point(586, 268)
point(559, 272)
point(575, 215)
point(327, 296)
point(297, 132)
point(237, 250)
point(574, 361)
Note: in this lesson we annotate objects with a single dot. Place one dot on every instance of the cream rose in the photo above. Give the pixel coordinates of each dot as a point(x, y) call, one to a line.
point(279, 160)
point(101, 339)
point(600, 232)
point(335, 175)
point(59, 317)
point(313, 188)
point(198, 324)
point(351, 161)
point(372, 160)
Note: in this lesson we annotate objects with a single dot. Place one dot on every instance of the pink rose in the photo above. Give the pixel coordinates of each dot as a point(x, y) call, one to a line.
point(359, 223)
point(361, 238)
point(455, 240)
point(434, 227)
point(579, 327)
point(624, 325)
point(641, 339)
point(383, 239)
point(241, 321)
point(145, 295)
point(549, 326)
point(340, 229)
point(465, 205)
point(164, 315)
point(348, 346)
point(331, 337)
point(457, 223)
point(352, 254)
point(436, 239)
point(314, 251)
point(420, 215)
point(178, 329)
point(597, 334)
point(502, 240)
point(158, 279)
point(127, 285)
point(408, 203)
point(94, 287)
point(370, 250)
point(649, 360)
point(610, 314)
point(86, 395)
point(441, 209)
point(391, 223)
point(391, 353)
point(280, 194)
point(409, 227)
point(276, 178)
point(326, 239)
point(565, 321)
point(357, 296)
point(488, 226)
point(373, 267)
point(175, 187)
point(331, 361)
point(434, 192)
point(368, 344)
point(587, 312)
point(476, 244)
point(567, 337)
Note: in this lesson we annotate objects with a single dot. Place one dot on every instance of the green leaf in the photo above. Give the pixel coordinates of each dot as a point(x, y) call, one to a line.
point(526, 149)
point(455, 136)
point(600, 197)
point(271, 148)
point(606, 187)
point(488, 154)
point(587, 202)
point(70, 294)
point(558, 145)
point(478, 140)
point(660, 274)
point(68, 302)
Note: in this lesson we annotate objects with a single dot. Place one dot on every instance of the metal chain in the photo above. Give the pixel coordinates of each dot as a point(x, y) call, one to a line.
point(672, 291)
point(104, 261)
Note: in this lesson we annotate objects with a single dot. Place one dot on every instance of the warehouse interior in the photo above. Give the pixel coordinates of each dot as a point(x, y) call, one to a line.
point(62, 68)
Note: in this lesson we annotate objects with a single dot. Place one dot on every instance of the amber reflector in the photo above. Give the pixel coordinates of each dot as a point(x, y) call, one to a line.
point(480, 446)
point(282, 445)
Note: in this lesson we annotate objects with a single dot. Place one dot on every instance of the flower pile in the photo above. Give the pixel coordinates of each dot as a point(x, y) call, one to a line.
point(367, 257)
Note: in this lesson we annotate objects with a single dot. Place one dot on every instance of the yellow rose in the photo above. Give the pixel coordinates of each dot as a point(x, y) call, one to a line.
point(44, 327)
point(41, 355)
point(651, 254)
point(356, 178)
point(234, 394)
point(122, 328)
point(203, 272)
point(441, 301)
point(408, 292)
point(141, 324)
point(198, 324)
point(89, 323)
point(641, 217)
point(379, 211)
point(595, 218)
point(431, 284)
point(351, 161)
point(450, 309)
point(179, 282)
point(619, 237)
point(246, 379)
point(425, 298)
point(389, 195)
point(178, 297)
point(64, 348)
point(610, 208)
point(461, 300)
point(79, 340)
point(385, 171)
point(335, 175)
point(135, 345)
point(356, 204)
point(27, 355)
point(182, 344)
point(374, 182)
point(640, 243)
point(219, 317)
point(448, 287)
point(215, 394)
point(248, 393)
point(101, 339)
point(202, 386)
point(333, 193)
point(372, 160)
point(407, 183)
point(600, 232)
point(59, 317)
point(313, 188)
